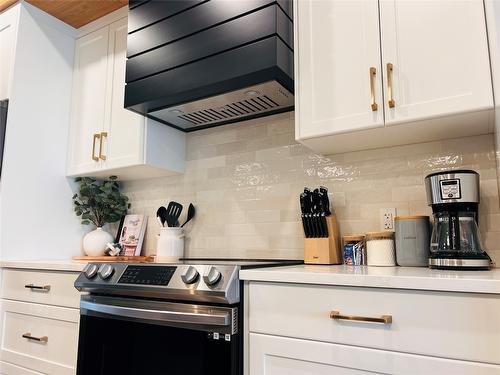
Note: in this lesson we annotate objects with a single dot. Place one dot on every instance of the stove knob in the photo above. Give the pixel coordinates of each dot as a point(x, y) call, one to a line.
point(90, 271)
point(105, 271)
point(211, 276)
point(190, 275)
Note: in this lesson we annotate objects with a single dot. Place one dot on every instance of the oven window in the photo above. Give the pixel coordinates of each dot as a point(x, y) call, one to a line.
point(112, 346)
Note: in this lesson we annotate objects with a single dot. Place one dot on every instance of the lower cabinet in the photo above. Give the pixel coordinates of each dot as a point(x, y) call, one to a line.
point(39, 318)
point(275, 355)
point(298, 329)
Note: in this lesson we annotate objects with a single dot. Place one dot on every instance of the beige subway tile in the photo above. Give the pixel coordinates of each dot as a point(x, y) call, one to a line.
point(231, 148)
point(491, 241)
point(217, 161)
point(240, 229)
point(419, 208)
point(286, 242)
point(263, 216)
point(408, 193)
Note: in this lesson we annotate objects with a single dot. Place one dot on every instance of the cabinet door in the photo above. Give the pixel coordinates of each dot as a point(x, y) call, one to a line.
point(276, 355)
point(8, 32)
point(337, 67)
point(123, 145)
point(439, 56)
point(88, 101)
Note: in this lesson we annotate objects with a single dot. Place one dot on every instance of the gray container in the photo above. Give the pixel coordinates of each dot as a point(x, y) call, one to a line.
point(412, 240)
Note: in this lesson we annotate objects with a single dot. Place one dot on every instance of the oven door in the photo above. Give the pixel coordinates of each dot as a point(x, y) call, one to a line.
point(131, 336)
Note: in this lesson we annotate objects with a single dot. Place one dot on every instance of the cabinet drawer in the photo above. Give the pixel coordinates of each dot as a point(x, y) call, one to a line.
point(273, 355)
point(60, 291)
point(451, 325)
point(58, 325)
point(10, 369)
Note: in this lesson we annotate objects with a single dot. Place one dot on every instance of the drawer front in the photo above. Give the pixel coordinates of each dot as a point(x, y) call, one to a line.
point(449, 325)
point(273, 355)
point(10, 369)
point(60, 290)
point(57, 327)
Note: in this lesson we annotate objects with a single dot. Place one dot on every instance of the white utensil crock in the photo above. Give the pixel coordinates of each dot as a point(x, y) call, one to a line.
point(170, 246)
point(94, 243)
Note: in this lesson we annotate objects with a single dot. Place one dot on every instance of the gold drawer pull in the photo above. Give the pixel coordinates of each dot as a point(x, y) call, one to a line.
point(373, 74)
point(33, 338)
point(385, 319)
point(101, 155)
point(96, 136)
point(390, 69)
point(44, 288)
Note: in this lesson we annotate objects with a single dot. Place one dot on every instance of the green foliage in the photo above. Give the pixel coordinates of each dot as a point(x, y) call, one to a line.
point(100, 202)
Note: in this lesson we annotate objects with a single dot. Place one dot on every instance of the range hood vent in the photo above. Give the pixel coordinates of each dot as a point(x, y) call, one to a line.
point(195, 64)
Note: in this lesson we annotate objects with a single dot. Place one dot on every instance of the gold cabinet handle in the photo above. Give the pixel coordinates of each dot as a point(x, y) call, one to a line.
point(96, 136)
point(44, 288)
point(373, 74)
point(102, 136)
point(34, 338)
point(390, 93)
point(385, 319)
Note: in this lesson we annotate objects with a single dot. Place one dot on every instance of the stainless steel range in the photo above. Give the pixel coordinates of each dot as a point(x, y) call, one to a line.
point(151, 318)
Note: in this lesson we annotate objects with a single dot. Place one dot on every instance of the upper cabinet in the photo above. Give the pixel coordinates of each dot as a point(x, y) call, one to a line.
point(362, 66)
point(338, 80)
point(105, 138)
point(439, 56)
point(8, 31)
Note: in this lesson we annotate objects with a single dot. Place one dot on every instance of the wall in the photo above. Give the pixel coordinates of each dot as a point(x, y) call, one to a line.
point(244, 180)
point(37, 219)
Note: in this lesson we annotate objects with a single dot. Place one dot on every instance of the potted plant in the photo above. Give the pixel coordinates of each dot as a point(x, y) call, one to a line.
point(99, 203)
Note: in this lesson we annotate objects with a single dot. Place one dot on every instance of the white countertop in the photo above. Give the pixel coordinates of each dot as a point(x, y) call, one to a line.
point(52, 265)
point(381, 277)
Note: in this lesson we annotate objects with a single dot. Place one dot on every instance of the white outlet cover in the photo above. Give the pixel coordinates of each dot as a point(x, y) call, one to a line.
point(387, 216)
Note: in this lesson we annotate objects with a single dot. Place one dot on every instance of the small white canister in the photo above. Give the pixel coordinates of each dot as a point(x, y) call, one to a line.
point(380, 249)
point(170, 246)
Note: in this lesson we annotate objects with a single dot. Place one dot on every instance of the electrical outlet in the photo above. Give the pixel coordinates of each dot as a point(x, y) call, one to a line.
point(387, 216)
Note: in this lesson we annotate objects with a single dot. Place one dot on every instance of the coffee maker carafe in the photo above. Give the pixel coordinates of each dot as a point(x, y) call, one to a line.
point(455, 239)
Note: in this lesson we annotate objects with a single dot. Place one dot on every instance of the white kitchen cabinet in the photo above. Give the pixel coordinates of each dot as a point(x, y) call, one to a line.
point(439, 52)
point(39, 324)
point(106, 138)
point(339, 80)
point(432, 72)
point(125, 128)
point(88, 101)
point(274, 355)
point(8, 30)
point(298, 329)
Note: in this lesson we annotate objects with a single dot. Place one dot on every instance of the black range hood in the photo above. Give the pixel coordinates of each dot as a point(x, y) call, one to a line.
point(194, 64)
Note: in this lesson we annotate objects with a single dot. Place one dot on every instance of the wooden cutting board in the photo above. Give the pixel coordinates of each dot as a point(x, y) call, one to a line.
point(108, 258)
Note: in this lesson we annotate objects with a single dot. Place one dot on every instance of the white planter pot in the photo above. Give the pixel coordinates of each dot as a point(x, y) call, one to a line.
point(94, 243)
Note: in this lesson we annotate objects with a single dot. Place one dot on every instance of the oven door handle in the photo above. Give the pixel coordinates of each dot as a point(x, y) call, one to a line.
point(212, 318)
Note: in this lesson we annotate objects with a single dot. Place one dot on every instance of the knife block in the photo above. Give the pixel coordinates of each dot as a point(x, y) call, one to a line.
point(324, 250)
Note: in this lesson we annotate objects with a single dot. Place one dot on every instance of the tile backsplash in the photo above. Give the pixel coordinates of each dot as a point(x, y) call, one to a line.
point(245, 178)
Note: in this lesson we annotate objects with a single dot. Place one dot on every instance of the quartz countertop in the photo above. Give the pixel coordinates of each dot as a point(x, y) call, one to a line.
point(51, 265)
point(415, 278)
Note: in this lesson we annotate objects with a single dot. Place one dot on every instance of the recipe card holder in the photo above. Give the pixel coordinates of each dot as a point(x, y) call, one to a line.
point(324, 250)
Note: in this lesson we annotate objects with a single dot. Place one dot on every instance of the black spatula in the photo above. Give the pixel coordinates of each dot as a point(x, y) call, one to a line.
point(190, 214)
point(174, 210)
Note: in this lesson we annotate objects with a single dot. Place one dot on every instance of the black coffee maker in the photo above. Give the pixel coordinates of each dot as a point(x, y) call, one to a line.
point(455, 240)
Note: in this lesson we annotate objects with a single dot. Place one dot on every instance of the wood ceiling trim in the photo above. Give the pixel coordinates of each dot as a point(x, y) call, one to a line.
point(4, 4)
point(77, 13)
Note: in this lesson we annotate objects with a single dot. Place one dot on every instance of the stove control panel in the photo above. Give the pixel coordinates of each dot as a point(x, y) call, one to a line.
point(147, 275)
point(193, 282)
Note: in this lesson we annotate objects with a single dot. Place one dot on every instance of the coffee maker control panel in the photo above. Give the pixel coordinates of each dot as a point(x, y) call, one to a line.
point(450, 189)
